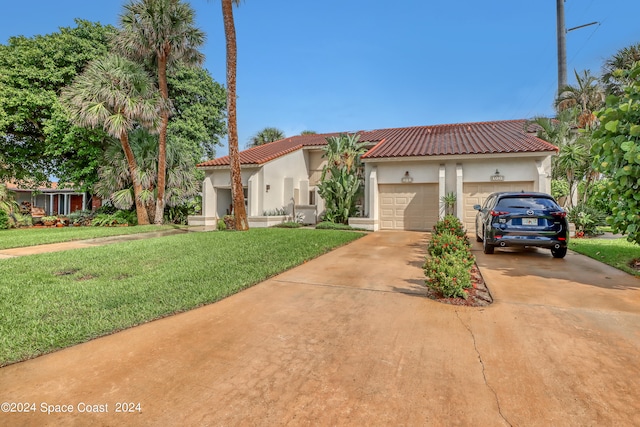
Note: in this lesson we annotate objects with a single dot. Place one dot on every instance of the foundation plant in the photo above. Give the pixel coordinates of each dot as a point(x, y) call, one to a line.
point(449, 259)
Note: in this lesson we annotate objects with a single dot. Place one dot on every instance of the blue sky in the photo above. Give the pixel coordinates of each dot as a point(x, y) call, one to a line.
point(336, 65)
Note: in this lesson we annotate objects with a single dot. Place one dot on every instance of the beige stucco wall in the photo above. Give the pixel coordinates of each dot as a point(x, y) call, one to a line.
point(451, 172)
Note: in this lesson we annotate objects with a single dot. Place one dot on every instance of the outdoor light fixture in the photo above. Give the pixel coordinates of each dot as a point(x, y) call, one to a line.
point(407, 178)
point(496, 176)
point(268, 188)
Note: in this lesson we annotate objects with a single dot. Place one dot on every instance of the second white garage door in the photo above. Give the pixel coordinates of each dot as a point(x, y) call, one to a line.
point(475, 193)
point(408, 206)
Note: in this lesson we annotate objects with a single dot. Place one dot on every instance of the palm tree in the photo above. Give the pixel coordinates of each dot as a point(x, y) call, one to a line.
point(624, 59)
point(237, 193)
point(265, 136)
point(115, 181)
point(117, 94)
point(161, 32)
point(587, 96)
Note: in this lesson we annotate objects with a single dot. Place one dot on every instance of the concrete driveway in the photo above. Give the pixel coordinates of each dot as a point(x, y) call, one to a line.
point(348, 339)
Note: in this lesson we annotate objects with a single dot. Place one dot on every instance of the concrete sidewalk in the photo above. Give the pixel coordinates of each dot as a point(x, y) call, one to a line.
point(348, 339)
point(88, 243)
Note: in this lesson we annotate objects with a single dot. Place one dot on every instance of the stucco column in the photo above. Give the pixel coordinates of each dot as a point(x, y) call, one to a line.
point(208, 198)
point(304, 192)
point(253, 190)
point(459, 194)
point(373, 194)
point(288, 194)
point(442, 189)
point(543, 183)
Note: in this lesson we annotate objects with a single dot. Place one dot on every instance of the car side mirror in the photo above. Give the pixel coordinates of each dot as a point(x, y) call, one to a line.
point(476, 207)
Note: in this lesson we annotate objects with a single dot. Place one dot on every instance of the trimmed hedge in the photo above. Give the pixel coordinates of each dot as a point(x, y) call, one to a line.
point(449, 260)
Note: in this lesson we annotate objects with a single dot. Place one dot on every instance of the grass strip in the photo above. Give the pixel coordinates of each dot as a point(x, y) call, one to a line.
point(618, 253)
point(52, 301)
point(22, 237)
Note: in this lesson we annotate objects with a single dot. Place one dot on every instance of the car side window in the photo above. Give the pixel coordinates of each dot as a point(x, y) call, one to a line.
point(488, 202)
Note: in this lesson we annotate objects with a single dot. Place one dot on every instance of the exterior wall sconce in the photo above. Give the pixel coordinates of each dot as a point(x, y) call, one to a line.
point(268, 188)
point(407, 178)
point(497, 177)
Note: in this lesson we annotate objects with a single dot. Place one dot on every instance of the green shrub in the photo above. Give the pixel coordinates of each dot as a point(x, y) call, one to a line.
point(81, 217)
point(221, 226)
point(327, 225)
point(586, 219)
point(448, 274)
point(448, 265)
point(559, 188)
point(109, 220)
point(288, 224)
point(446, 243)
point(21, 220)
point(4, 220)
point(450, 224)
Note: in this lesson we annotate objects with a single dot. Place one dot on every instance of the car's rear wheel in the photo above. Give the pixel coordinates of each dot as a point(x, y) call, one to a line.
point(559, 253)
point(487, 248)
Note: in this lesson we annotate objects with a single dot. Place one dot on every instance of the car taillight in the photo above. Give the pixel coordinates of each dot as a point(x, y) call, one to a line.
point(560, 214)
point(498, 213)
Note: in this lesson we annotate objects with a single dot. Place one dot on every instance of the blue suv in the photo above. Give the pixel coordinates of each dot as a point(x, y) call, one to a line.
point(522, 219)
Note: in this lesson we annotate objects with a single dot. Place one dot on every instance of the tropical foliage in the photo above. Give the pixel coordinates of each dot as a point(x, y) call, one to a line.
point(116, 94)
point(36, 137)
point(587, 96)
point(341, 179)
point(116, 184)
point(616, 153)
point(162, 33)
point(266, 135)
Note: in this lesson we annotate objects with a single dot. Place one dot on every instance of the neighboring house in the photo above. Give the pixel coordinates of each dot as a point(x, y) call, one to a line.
point(49, 200)
point(407, 173)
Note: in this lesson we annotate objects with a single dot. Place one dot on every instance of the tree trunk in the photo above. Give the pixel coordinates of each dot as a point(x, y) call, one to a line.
point(141, 210)
point(162, 140)
point(237, 195)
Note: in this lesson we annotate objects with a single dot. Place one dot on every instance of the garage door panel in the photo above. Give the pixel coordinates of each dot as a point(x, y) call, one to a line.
point(476, 194)
point(408, 206)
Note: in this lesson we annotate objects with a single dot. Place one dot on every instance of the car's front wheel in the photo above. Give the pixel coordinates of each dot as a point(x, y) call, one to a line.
point(559, 253)
point(486, 247)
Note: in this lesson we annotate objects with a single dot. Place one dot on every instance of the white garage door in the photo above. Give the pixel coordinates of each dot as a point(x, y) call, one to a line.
point(408, 206)
point(475, 193)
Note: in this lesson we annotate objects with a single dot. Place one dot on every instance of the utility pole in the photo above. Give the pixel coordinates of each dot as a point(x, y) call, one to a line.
point(562, 46)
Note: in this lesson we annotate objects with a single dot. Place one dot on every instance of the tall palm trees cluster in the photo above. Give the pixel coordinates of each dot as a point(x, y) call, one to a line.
point(127, 90)
point(572, 128)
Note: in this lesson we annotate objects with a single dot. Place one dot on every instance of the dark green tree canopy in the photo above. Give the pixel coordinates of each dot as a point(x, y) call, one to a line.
point(616, 154)
point(36, 139)
point(198, 120)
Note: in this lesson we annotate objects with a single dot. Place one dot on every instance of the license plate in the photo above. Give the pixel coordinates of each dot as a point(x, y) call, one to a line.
point(529, 221)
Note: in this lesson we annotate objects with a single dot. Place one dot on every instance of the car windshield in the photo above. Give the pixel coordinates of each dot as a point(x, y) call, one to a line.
point(537, 203)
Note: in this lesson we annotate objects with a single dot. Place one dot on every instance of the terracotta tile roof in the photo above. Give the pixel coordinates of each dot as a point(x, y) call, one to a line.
point(25, 186)
point(455, 139)
point(267, 152)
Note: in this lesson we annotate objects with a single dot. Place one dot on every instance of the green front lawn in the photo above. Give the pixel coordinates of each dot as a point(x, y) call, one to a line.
point(56, 300)
point(21, 237)
point(618, 253)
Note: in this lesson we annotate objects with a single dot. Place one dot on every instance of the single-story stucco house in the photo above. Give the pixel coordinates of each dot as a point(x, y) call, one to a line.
point(407, 173)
